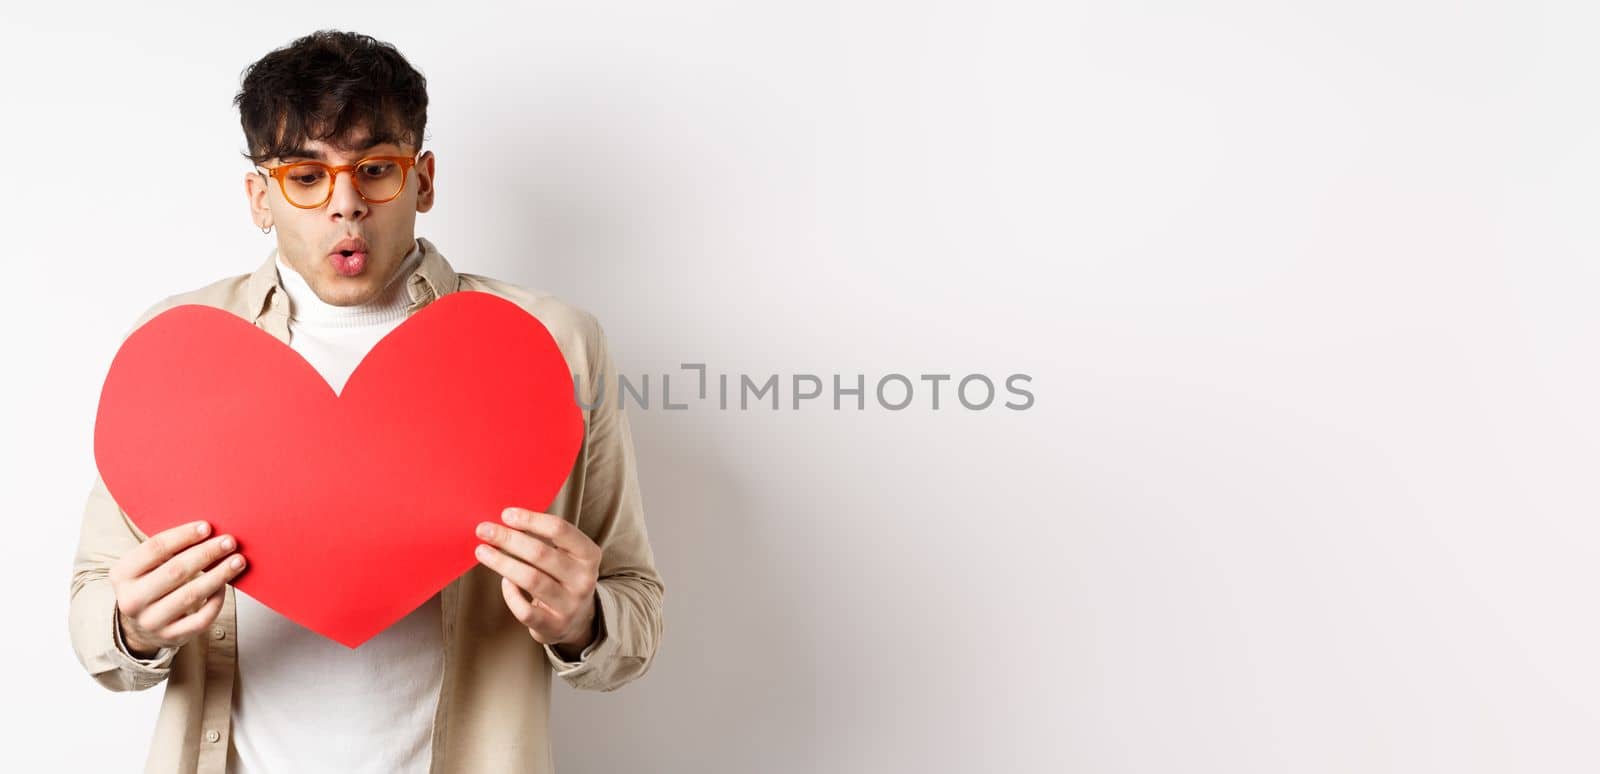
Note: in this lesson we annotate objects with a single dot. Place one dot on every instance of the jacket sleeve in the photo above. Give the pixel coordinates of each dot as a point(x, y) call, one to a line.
point(107, 534)
point(92, 609)
point(629, 590)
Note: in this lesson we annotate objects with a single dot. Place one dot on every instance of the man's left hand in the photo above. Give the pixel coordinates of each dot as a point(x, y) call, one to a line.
point(545, 557)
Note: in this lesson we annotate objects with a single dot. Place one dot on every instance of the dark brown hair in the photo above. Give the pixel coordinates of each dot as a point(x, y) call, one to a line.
point(328, 86)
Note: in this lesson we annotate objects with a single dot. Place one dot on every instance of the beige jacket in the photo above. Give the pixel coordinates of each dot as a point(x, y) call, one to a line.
point(493, 712)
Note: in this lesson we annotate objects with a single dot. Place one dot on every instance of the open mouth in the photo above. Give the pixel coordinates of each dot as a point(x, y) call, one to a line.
point(349, 257)
point(348, 263)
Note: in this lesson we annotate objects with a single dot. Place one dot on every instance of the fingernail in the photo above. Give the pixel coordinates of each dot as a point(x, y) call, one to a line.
point(227, 543)
point(202, 528)
point(510, 515)
point(486, 531)
point(236, 562)
point(483, 552)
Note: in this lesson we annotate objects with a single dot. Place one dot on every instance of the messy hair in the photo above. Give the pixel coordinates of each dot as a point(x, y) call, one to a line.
point(329, 86)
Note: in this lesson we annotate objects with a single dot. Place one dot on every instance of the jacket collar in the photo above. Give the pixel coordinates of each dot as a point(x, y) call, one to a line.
point(433, 277)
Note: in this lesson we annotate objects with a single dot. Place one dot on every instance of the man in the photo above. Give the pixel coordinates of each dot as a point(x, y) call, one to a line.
point(334, 123)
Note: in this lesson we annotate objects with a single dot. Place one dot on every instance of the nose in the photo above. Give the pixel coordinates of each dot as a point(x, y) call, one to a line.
point(346, 203)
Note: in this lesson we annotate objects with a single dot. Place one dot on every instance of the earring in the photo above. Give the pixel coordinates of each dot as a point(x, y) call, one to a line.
point(268, 229)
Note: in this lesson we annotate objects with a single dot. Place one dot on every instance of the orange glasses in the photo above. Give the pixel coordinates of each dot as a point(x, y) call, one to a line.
point(309, 184)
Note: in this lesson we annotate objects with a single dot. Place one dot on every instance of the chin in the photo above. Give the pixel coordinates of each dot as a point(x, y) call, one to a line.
point(346, 291)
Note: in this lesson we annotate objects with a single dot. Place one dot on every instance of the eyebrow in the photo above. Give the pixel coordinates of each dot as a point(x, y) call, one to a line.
point(307, 153)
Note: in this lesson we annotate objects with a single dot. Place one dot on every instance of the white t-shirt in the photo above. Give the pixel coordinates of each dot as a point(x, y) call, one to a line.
point(305, 703)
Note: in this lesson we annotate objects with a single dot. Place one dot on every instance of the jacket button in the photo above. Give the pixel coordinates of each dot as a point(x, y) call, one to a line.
point(212, 735)
point(218, 633)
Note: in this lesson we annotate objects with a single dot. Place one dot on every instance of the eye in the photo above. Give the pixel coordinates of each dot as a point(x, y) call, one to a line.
point(376, 169)
point(305, 175)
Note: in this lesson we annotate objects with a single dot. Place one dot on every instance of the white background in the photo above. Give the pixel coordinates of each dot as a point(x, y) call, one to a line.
point(1306, 291)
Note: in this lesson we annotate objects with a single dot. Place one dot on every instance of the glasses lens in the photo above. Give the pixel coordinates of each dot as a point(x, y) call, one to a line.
point(306, 184)
point(379, 180)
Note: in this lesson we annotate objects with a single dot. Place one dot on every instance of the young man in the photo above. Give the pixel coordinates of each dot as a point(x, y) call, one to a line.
point(334, 123)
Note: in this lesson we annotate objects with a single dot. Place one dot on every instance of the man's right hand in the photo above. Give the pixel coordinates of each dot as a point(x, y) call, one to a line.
point(171, 587)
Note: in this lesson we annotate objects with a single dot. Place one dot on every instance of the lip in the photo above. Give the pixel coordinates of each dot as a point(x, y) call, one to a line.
point(354, 244)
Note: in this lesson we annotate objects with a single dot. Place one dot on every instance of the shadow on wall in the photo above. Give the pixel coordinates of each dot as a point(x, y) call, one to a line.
point(732, 685)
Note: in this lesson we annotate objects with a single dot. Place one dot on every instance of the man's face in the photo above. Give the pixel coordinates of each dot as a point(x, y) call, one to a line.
point(311, 240)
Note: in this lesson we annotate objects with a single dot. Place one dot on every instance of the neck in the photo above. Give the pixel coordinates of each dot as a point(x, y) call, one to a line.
point(305, 308)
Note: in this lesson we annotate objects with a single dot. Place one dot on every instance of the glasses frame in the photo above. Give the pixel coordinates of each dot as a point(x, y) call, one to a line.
point(282, 170)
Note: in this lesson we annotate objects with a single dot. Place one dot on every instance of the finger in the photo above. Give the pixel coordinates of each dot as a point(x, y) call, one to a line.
point(159, 548)
point(527, 613)
point(527, 577)
point(191, 624)
point(192, 595)
point(181, 569)
point(533, 551)
point(561, 533)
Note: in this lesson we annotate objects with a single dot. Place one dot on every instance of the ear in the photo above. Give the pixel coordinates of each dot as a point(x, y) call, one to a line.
point(255, 191)
point(424, 173)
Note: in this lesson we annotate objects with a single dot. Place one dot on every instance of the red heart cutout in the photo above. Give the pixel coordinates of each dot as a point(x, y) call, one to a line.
point(354, 508)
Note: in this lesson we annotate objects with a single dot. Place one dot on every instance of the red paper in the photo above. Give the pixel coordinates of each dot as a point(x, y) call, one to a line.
point(352, 509)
